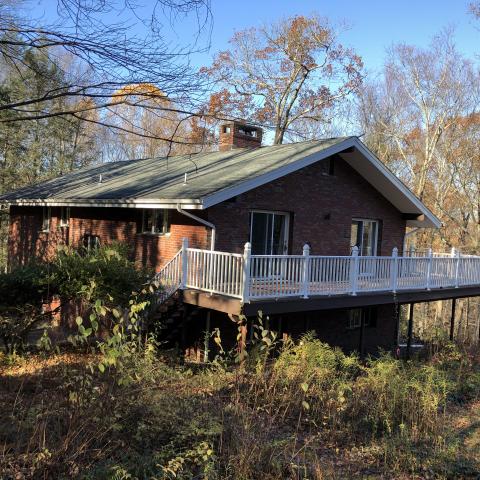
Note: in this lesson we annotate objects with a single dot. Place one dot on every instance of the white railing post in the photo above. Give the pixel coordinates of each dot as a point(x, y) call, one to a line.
point(183, 280)
point(429, 268)
point(306, 271)
point(457, 268)
point(247, 253)
point(354, 270)
point(394, 269)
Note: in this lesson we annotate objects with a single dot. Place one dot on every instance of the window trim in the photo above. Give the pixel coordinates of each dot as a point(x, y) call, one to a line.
point(46, 218)
point(286, 238)
point(370, 317)
point(377, 234)
point(64, 217)
point(166, 227)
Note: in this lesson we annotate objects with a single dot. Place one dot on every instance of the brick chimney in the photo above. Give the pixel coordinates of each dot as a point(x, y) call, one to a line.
point(239, 135)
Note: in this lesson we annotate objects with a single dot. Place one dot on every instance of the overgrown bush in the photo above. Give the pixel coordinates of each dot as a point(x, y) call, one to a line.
point(22, 293)
point(107, 270)
point(83, 276)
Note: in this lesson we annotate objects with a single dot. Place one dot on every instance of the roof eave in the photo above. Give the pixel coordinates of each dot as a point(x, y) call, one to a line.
point(191, 204)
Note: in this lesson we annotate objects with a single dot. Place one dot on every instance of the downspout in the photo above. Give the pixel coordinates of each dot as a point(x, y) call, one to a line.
point(408, 234)
point(203, 222)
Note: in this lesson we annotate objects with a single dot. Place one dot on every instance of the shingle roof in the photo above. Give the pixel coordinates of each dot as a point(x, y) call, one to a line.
point(212, 178)
point(163, 178)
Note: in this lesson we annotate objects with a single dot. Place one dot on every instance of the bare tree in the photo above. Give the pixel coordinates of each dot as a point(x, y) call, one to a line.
point(108, 56)
point(284, 75)
point(419, 117)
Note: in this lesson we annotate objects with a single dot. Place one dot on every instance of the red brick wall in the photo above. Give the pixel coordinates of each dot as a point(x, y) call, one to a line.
point(321, 208)
point(330, 326)
point(110, 224)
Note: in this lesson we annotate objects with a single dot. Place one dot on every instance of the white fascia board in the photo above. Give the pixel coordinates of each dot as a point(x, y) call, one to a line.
point(222, 195)
point(138, 203)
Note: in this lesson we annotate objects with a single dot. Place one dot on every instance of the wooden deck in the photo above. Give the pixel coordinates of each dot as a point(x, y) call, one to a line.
point(234, 306)
point(232, 282)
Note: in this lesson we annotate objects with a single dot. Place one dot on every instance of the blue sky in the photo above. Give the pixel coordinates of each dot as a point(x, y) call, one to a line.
point(374, 24)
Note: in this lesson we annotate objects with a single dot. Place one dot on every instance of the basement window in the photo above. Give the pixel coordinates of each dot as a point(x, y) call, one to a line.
point(46, 217)
point(156, 221)
point(355, 315)
point(91, 242)
point(64, 216)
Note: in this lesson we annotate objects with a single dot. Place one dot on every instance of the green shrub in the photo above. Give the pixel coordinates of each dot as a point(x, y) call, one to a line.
point(22, 292)
point(106, 272)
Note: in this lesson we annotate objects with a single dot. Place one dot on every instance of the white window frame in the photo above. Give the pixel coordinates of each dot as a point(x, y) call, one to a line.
point(287, 226)
point(166, 221)
point(377, 230)
point(355, 318)
point(46, 219)
point(64, 216)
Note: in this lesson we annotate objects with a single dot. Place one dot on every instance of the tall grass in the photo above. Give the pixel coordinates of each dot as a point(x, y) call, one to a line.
point(307, 412)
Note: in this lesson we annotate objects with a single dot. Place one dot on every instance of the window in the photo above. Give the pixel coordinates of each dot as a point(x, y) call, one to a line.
point(364, 235)
point(226, 129)
point(248, 131)
point(327, 166)
point(269, 232)
point(46, 216)
point(355, 315)
point(156, 221)
point(91, 242)
point(64, 216)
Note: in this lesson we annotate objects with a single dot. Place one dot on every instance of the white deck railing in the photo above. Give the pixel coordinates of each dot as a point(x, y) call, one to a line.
point(255, 277)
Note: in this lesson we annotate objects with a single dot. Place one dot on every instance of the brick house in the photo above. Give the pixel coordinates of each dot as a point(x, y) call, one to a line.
point(302, 209)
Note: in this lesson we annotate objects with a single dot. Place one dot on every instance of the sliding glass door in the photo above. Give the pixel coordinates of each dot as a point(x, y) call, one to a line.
point(269, 233)
point(365, 236)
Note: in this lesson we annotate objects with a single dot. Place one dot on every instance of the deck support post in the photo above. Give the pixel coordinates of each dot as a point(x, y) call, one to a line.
point(429, 268)
point(452, 319)
point(183, 280)
point(206, 344)
point(410, 330)
point(242, 341)
point(354, 270)
point(394, 270)
point(361, 340)
point(247, 253)
point(396, 334)
point(306, 271)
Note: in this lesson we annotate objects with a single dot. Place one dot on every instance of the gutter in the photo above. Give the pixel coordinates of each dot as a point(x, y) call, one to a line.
point(408, 234)
point(203, 222)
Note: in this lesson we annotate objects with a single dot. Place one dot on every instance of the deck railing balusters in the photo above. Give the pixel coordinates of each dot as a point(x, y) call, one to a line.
point(251, 277)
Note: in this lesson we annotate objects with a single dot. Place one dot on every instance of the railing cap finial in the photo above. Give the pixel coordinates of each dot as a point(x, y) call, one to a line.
point(306, 249)
point(355, 251)
point(247, 248)
point(395, 252)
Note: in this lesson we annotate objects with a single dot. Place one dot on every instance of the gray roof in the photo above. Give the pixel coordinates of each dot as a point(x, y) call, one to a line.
point(159, 179)
point(213, 178)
